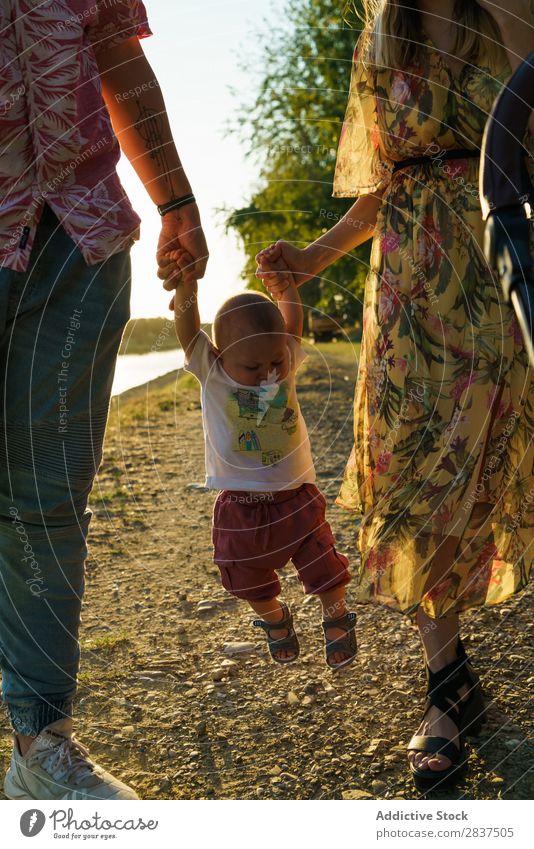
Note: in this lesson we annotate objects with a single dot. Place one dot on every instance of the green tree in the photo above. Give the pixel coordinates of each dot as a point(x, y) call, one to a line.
point(291, 130)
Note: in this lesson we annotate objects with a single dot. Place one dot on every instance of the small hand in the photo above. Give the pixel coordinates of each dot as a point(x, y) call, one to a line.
point(275, 275)
point(182, 263)
point(293, 259)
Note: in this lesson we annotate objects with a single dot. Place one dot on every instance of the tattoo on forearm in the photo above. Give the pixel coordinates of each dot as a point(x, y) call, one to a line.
point(149, 125)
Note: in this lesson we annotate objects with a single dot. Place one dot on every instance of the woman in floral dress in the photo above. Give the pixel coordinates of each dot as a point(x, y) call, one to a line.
point(442, 466)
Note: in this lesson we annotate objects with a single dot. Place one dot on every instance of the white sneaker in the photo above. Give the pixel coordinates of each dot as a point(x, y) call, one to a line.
point(57, 766)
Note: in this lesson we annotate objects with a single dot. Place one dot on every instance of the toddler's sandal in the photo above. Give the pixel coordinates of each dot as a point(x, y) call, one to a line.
point(346, 644)
point(288, 643)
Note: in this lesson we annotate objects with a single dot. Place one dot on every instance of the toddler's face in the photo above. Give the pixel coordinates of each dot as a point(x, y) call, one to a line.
point(257, 359)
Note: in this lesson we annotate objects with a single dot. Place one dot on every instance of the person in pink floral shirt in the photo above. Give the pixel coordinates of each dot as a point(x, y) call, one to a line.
point(75, 88)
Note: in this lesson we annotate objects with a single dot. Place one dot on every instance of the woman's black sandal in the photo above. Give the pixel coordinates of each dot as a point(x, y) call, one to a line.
point(467, 713)
point(346, 644)
point(287, 643)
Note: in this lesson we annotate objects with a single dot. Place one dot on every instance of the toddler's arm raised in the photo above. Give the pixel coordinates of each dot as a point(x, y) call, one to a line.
point(186, 316)
point(289, 302)
point(290, 306)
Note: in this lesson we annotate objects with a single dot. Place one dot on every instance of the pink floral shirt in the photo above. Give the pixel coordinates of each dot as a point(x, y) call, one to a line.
point(57, 145)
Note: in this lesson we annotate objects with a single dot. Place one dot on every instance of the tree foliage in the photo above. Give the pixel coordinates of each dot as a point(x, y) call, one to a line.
point(291, 130)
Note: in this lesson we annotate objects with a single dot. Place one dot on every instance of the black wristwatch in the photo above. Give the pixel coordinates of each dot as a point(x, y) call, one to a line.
point(176, 203)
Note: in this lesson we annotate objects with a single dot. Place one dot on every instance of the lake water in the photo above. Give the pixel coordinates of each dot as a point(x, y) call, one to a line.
point(136, 369)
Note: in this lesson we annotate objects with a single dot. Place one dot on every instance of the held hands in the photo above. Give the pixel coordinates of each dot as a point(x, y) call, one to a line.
point(183, 275)
point(276, 261)
point(181, 231)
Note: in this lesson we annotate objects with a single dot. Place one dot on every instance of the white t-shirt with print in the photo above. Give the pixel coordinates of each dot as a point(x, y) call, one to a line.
point(255, 436)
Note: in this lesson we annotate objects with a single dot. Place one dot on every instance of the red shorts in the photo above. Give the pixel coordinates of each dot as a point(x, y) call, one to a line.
point(255, 534)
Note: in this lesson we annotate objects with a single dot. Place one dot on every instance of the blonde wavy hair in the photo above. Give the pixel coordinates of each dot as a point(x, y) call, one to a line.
point(392, 33)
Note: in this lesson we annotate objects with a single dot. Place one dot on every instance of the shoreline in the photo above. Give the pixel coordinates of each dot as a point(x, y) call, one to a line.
point(336, 351)
point(136, 392)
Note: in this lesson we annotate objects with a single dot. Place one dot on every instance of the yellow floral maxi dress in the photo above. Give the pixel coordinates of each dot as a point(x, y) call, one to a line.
point(444, 406)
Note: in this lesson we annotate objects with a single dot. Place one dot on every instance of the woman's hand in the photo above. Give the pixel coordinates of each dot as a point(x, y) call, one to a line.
point(298, 261)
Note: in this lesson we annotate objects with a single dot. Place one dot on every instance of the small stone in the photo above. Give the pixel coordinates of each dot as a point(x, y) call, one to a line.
point(218, 674)
point(205, 606)
point(232, 649)
point(513, 743)
point(128, 731)
point(231, 667)
point(275, 771)
point(292, 699)
point(374, 745)
point(379, 788)
point(351, 795)
point(307, 701)
point(149, 683)
point(497, 780)
point(152, 673)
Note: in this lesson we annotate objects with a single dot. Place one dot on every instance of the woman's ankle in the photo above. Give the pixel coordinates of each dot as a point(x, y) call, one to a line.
point(440, 639)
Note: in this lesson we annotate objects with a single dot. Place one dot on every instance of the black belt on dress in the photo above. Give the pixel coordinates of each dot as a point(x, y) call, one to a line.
point(457, 153)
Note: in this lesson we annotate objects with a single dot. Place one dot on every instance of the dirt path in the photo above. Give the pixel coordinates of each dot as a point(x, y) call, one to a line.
point(163, 705)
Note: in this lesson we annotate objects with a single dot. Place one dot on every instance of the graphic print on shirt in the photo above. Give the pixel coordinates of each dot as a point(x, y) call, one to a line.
point(262, 421)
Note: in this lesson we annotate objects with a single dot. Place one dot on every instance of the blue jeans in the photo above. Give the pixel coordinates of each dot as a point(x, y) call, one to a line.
point(61, 324)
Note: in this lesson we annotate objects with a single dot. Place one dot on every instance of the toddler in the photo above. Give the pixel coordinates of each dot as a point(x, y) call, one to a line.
point(268, 509)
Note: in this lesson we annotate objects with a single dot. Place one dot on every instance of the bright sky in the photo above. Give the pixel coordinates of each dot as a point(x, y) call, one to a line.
point(194, 52)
